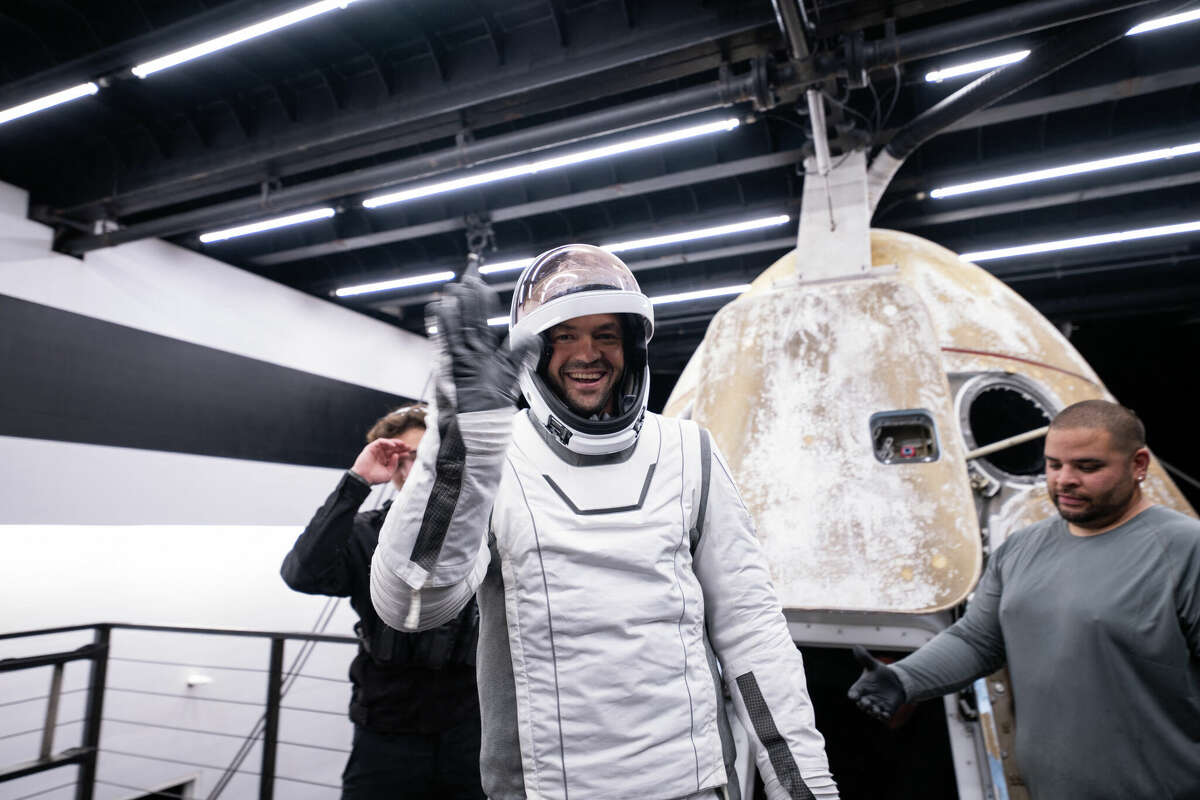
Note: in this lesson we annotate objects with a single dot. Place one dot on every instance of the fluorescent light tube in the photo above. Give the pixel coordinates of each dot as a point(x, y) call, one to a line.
point(237, 37)
point(701, 233)
point(700, 294)
point(681, 297)
point(504, 266)
point(939, 75)
point(267, 225)
point(398, 283)
point(1164, 22)
point(49, 101)
point(633, 244)
point(1083, 241)
point(554, 162)
point(1067, 170)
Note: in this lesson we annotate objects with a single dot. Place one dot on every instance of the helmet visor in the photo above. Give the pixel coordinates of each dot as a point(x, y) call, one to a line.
point(567, 270)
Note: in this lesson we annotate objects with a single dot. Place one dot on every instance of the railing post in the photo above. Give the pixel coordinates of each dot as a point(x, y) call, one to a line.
point(266, 786)
point(47, 747)
point(85, 784)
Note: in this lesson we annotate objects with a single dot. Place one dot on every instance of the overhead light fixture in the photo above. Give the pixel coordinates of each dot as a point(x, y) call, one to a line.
point(267, 225)
point(398, 283)
point(553, 162)
point(505, 266)
point(939, 75)
point(680, 297)
point(654, 241)
point(237, 37)
point(1083, 241)
point(700, 294)
point(1067, 170)
point(970, 68)
point(701, 233)
point(49, 101)
point(1165, 22)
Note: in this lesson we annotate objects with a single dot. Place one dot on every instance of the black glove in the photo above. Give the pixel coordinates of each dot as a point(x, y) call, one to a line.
point(878, 691)
point(483, 369)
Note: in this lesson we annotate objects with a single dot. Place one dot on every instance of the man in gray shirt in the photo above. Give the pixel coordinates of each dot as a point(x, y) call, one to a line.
point(1097, 614)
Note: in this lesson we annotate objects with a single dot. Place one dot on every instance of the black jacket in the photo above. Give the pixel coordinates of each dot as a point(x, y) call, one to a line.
point(403, 682)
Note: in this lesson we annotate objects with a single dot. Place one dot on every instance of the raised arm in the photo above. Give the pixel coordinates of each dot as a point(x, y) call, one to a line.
point(761, 666)
point(432, 551)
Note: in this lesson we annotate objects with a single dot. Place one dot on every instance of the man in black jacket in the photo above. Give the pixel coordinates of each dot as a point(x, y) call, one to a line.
point(414, 703)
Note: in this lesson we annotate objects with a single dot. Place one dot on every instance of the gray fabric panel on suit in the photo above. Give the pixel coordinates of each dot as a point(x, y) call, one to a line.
point(705, 476)
point(728, 749)
point(500, 752)
point(451, 460)
point(777, 749)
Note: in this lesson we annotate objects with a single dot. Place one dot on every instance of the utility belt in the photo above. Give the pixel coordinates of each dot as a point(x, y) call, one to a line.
point(453, 642)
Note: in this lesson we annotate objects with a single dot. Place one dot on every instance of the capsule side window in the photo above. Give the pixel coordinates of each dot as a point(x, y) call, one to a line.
point(904, 437)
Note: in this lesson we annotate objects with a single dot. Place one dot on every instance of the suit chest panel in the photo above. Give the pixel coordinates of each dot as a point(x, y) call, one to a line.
point(612, 528)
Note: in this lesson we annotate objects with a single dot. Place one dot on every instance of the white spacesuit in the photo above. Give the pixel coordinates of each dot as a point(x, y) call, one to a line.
point(614, 561)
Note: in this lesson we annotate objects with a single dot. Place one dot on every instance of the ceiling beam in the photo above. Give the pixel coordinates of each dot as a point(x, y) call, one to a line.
point(214, 172)
point(1034, 159)
point(727, 91)
point(779, 244)
point(119, 57)
point(1093, 95)
point(1047, 201)
point(549, 205)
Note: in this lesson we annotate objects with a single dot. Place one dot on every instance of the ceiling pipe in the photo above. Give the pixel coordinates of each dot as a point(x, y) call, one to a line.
point(755, 86)
point(1045, 59)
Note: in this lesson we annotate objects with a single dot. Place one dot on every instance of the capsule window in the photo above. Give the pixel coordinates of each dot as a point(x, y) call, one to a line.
point(904, 437)
point(996, 406)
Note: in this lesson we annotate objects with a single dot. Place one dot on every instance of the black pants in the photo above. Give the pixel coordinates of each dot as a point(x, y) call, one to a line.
point(414, 766)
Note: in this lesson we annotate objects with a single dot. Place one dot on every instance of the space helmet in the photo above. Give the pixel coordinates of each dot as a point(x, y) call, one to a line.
point(573, 281)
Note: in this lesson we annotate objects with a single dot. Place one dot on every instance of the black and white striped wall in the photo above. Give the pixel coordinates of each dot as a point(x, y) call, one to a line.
point(149, 384)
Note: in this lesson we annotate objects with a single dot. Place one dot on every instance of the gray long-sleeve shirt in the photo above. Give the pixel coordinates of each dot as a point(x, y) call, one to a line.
point(1102, 639)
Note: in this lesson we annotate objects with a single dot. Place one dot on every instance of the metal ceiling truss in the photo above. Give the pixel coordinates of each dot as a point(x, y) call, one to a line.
point(374, 131)
point(548, 205)
point(730, 90)
point(399, 300)
point(460, 91)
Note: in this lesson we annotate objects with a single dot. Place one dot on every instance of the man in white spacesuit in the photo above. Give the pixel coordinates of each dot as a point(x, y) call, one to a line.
point(618, 576)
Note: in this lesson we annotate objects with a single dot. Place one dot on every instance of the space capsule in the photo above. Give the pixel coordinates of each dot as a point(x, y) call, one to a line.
point(883, 425)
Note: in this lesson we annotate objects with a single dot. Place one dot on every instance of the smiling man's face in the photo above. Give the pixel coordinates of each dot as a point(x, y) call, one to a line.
point(587, 360)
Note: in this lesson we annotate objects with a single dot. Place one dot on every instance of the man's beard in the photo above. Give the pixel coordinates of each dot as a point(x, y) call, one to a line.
point(602, 404)
point(559, 386)
point(588, 413)
point(1100, 511)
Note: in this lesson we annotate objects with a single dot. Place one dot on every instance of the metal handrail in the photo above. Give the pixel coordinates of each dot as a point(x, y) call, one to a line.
point(98, 653)
point(129, 626)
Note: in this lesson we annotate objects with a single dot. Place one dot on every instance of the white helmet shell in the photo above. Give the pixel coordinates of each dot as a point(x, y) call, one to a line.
point(574, 281)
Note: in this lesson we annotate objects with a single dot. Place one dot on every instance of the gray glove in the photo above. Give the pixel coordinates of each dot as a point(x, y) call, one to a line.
point(483, 368)
point(878, 691)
